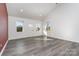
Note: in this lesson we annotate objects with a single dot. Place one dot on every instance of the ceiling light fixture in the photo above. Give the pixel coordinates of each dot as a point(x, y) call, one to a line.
point(21, 10)
point(40, 14)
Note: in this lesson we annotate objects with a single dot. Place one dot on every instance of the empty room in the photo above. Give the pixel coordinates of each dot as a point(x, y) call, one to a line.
point(39, 29)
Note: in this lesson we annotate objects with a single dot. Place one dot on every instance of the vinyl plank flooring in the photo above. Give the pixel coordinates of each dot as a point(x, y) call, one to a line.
point(40, 47)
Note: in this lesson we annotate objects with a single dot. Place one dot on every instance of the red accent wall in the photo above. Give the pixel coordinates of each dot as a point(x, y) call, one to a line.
point(3, 25)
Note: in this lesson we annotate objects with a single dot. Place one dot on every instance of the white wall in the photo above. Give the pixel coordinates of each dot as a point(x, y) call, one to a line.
point(27, 32)
point(65, 22)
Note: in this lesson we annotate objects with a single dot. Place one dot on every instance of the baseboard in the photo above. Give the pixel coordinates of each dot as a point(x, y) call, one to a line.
point(62, 39)
point(3, 48)
point(47, 37)
point(28, 37)
point(53, 38)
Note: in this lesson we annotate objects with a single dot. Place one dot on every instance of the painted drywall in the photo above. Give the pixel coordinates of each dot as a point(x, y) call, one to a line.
point(64, 21)
point(27, 31)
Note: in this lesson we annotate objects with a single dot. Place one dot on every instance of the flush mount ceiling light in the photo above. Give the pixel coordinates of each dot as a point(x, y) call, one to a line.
point(21, 10)
point(40, 14)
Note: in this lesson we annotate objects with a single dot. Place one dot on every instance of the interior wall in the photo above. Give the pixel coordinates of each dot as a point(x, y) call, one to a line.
point(3, 25)
point(27, 31)
point(64, 21)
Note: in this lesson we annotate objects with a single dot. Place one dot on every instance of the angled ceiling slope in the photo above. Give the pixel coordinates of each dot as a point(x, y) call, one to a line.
point(36, 11)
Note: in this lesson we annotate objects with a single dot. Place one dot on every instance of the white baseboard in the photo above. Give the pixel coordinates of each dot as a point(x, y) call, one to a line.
point(67, 39)
point(3, 48)
point(23, 37)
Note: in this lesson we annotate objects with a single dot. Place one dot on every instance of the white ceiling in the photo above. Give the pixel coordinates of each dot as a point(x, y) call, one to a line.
point(30, 10)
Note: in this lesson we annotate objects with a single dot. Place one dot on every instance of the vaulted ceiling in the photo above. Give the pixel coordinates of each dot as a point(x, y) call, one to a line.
point(36, 11)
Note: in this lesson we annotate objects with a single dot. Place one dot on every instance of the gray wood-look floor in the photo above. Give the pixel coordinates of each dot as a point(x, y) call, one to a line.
point(40, 47)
